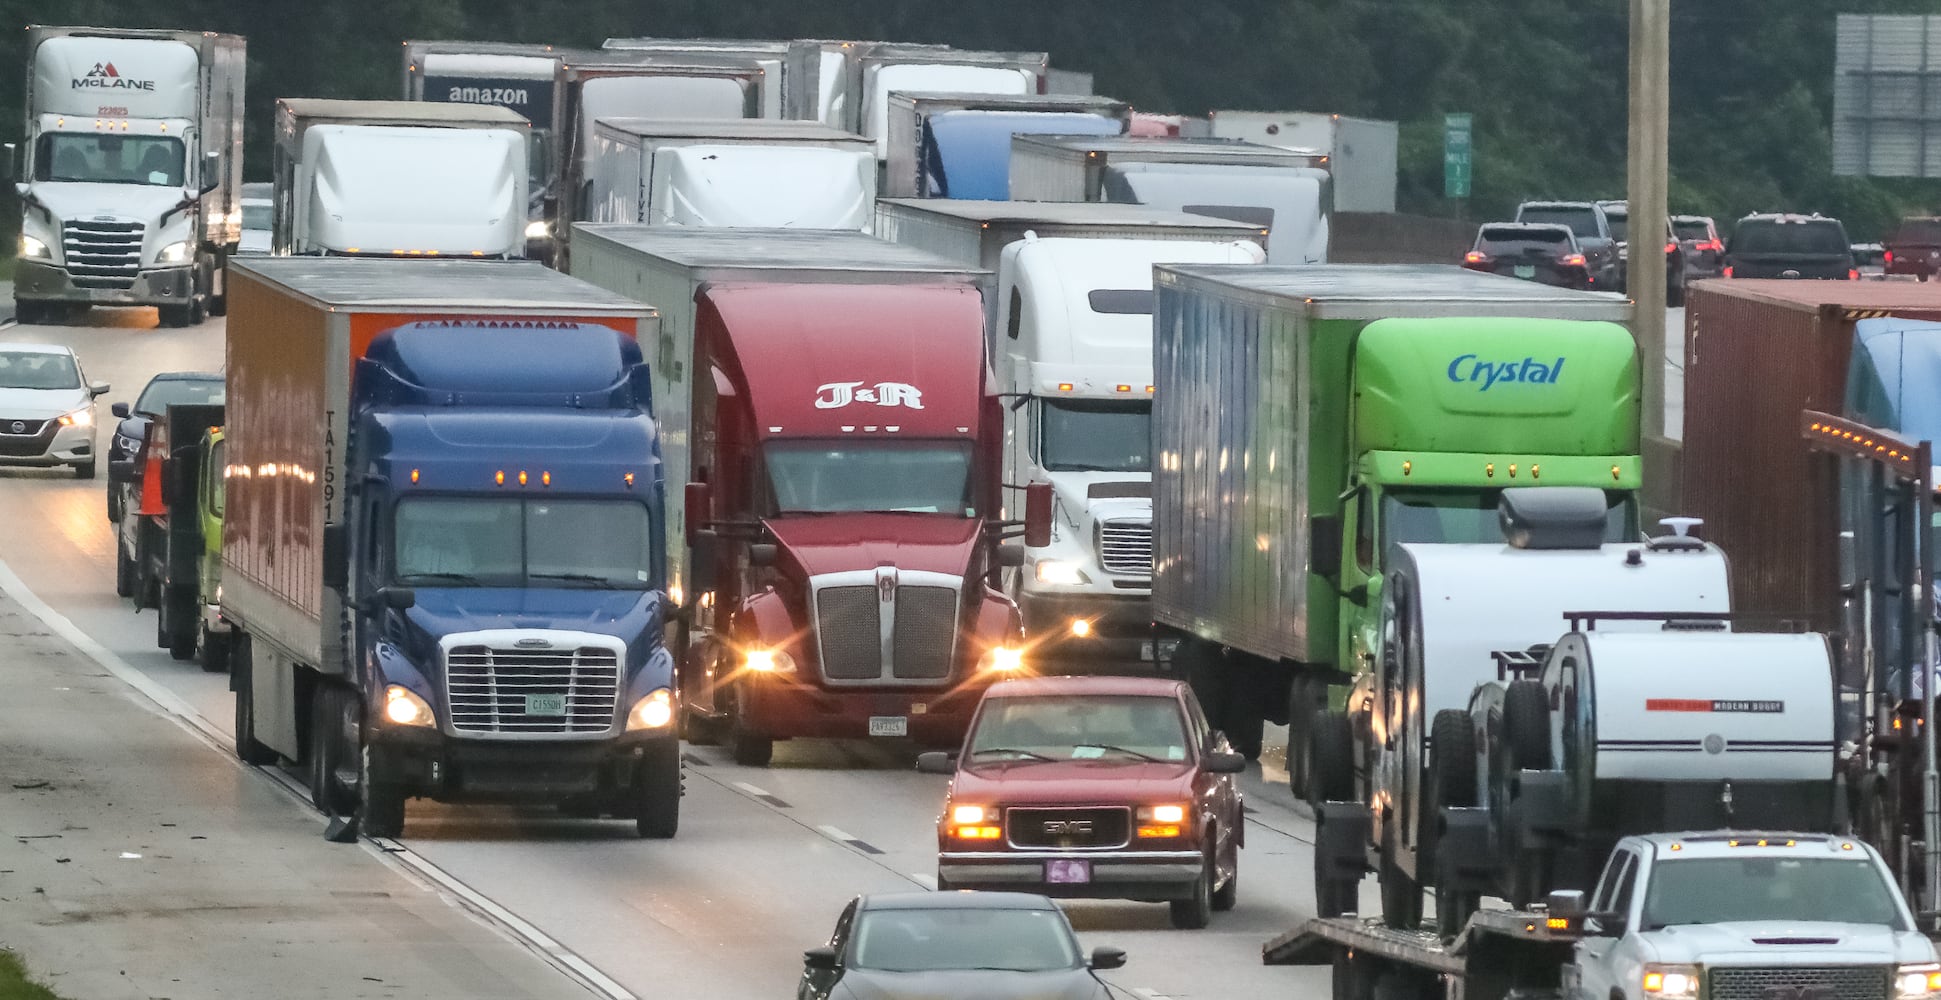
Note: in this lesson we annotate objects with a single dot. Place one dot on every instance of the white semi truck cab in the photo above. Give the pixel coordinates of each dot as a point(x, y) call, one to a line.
point(131, 174)
point(1074, 344)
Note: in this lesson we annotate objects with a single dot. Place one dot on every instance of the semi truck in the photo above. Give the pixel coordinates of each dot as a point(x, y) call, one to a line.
point(399, 179)
point(827, 398)
point(130, 182)
point(771, 57)
point(440, 553)
point(848, 84)
point(1283, 190)
point(942, 145)
point(1074, 352)
point(1369, 406)
point(1361, 152)
point(749, 173)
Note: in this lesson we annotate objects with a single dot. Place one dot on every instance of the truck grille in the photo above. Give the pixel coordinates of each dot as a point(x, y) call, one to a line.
point(850, 623)
point(1839, 983)
point(1125, 547)
point(490, 689)
point(1094, 829)
point(103, 254)
point(923, 640)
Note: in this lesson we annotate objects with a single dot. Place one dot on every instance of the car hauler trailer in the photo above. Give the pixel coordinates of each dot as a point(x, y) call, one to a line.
point(826, 396)
point(440, 553)
point(1367, 406)
point(745, 173)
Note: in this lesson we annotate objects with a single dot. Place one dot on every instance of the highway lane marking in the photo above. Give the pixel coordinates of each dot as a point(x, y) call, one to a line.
point(694, 760)
point(401, 859)
point(927, 881)
point(849, 839)
point(761, 795)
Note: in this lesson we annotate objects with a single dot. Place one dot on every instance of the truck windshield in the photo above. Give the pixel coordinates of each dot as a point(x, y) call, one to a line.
point(109, 159)
point(1089, 727)
point(512, 542)
point(1093, 435)
point(1727, 890)
point(1469, 516)
point(963, 939)
point(834, 477)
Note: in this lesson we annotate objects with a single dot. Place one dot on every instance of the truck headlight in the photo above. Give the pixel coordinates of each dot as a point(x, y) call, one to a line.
point(1161, 821)
point(1003, 660)
point(974, 822)
point(83, 417)
point(1914, 981)
point(403, 707)
point(1059, 573)
point(652, 712)
point(1670, 982)
point(538, 230)
point(31, 247)
point(174, 253)
point(768, 661)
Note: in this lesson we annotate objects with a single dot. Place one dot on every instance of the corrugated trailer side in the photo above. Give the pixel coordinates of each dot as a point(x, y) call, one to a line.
point(955, 238)
point(1042, 170)
point(1757, 352)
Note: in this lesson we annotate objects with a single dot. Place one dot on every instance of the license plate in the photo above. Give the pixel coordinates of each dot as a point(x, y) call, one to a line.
point(1526, 270)
point(889, 725)
point(1068, 872)
point(546, 704)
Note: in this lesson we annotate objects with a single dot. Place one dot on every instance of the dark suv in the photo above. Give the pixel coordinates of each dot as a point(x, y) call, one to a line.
point(1915, 248)
point(1790, 246)
point(1594, 238)
point(1541, 252)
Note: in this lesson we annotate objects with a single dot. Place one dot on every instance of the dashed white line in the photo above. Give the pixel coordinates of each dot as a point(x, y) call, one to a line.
point(927, 881)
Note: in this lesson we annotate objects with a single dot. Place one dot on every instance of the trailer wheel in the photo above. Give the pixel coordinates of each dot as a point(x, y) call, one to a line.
point(1526, 725)
point(211, 650)
point(1331, 758)
point(657, 790)
point(1301, 710)
point(248, 750)
point(1452, 782)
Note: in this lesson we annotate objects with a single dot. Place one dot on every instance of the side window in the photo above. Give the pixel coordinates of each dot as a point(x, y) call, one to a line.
point(1364, 532)
point(839, 940)
point(1614, 871)
point(1015, 325)
point(1626, 883)
point(1196, 721)
point(217, 481)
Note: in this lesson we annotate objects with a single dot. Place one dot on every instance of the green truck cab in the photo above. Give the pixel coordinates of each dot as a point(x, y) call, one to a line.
point(212, 632)
point(1308, 419)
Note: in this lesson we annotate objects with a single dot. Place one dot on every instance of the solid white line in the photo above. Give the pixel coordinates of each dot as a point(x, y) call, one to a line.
point(836, 835)
point(752, 790)
point(1152, 995)
point(402, 859)
point(927, 881)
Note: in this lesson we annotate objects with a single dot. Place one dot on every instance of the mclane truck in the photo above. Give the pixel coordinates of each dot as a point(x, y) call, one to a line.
point(826, 396)
point(399, 179)
point(749, 173)
point(513, 76)
point(1366, 407)
point(131, 181)
point(441, 544)
point(959, 145)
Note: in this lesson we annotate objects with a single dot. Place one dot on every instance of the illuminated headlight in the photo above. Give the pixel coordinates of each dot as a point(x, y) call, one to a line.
point(403, 707)
point(964, 815)
point(538, 230)
point(974, 822)
point(30, 247)
point(1003, 660)
point(1162, 814)
point(652, 712)
point(83, 417)
point(1914, 981)
point(1061, 573)
point(174, 253)
point(1670, 982)
point(768, 661)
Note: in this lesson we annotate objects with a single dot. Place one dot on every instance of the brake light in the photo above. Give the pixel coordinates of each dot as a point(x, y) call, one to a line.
point(1728, 271)
point(1573, 260)
point(1671, 248)
point(1713, 245)
point(1852, 274)
point(1475, 257)
point(1887, 257)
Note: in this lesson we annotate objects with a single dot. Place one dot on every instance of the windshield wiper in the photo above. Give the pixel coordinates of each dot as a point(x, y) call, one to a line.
point(1123, 750)
point(605, 581)
point(1031, 754)
point(466, 578)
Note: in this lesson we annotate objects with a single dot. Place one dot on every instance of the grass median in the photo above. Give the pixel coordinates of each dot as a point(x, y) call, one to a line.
point(14, 984)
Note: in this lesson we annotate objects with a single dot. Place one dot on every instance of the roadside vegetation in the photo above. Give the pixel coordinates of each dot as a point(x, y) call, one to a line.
point(14, 984)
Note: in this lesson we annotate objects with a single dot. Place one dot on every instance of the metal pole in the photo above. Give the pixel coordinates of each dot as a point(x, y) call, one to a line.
point(1646, 192)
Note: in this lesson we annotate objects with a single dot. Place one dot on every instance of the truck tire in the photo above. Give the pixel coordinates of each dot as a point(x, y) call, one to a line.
point(1195, 911)
point(1401, 896)
point(1335, 897)
point(178, 620)
point(330, 704)
point(124, 572)
point(1331, 759)
point(750, 749)
point(380, 803)
point(174, 317)
point(211, 649)
point(1301, 710)
point(1198, 664)
point(1526, 725)
point(1452, 782)
point(1228, 895)
point(657, 790)
point(248, 750)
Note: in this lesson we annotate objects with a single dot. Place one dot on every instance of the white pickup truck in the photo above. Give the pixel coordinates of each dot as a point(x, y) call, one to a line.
point(1727, 915)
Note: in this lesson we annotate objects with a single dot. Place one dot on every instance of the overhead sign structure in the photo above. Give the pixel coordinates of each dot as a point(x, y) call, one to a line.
point(1887, 96)
point(1456, 131)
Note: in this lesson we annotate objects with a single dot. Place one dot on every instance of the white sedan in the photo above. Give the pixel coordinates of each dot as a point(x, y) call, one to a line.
point(46, 408)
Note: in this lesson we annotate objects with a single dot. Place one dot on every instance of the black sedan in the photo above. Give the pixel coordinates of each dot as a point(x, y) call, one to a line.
point(1535, 251)
point(162, 391)
point(989, 945)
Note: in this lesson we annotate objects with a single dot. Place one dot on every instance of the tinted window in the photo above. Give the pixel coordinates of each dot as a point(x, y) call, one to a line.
point(1692, 230)
point(256, 215)
point(1504, 240)
point(1582, 221)
point(1121, 301)
point(1469, 516)
point(38, 370)
point(1727, 890)
point(1085, 435)
point(163, 393)
point(1822, 236)
point(839, 476)
point(963, 938)
point(1918, 231)
point(1620, 225)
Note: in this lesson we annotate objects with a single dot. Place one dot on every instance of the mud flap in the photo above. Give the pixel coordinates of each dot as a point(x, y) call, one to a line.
point(1342, 833)
point(1464, 861)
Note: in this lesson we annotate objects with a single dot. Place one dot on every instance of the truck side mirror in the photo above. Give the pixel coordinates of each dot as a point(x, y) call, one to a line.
point(762, 554)
point(336, 564)
point(1324, 546)
point(1566, 903)
point(211, 171)
point(1010, 556)
point(1038, 499)
point(703, 549)
point(398, 598)
point(937, 762)
point(699, 510)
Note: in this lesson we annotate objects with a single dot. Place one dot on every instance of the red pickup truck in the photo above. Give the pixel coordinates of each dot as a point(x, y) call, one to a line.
point(1915, 248)
point(1093, 788)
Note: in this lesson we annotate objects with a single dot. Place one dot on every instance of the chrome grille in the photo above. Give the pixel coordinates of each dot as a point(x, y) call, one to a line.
point(488, 689)
point(926, 632)
point(1856, 982)
point(849, 620)
point(1094, 829)
point(103, 254)
point(1125, 547)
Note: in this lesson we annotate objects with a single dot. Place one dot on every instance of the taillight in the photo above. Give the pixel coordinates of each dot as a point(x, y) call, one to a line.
point(1852, 274)
point(1475, 257)
point(1671, 248)
point(1713, 245)
point(1573, 260)
point(1728, 271)
point(1887, 257)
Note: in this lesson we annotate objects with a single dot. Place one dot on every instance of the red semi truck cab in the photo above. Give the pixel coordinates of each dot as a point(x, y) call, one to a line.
point(844, 522)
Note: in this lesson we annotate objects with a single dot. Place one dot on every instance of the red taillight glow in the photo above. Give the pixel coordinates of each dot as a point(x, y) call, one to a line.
point(1887, 257)
point(1714, 245)
point(1671, 248)
point(1853, 275)
point(1474, 257)
point(1573, 260)
point(1728, 271)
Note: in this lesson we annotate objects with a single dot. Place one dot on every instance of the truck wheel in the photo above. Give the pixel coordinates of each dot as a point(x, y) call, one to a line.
point(198, 312)
point(179, 611)
point(248, 750)
point(211, 650)
point(1331, 759)
point(172, 316)
point(1526, 725)
point(1401, 897)
point(1195, 911)
point(380, 804)
point(751, 749)
point(1301, 710)
point(330, 705)
point(657, 790)
point(84, 470)
point(1452, 782)
point(124, 572)
point(1198, 664)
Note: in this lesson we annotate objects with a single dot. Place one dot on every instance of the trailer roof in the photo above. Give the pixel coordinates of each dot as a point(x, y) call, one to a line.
point(1381, 291)
point(1173, 149)
point(444, 47)
point(1836, 296)
point(731, 128)
point(1067, 213)
point(979, 101)
point(472, 285)
point(413, 112)
point(774, 249)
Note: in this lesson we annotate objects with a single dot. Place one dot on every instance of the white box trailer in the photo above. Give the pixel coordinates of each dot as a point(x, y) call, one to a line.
point(668, 265)
point(770, 56)
point(511, 75)
point(948, 145)
point(1361, 152)
point(1287, 191)
point(749, 173)
point(976, 232)
point(852, 81)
